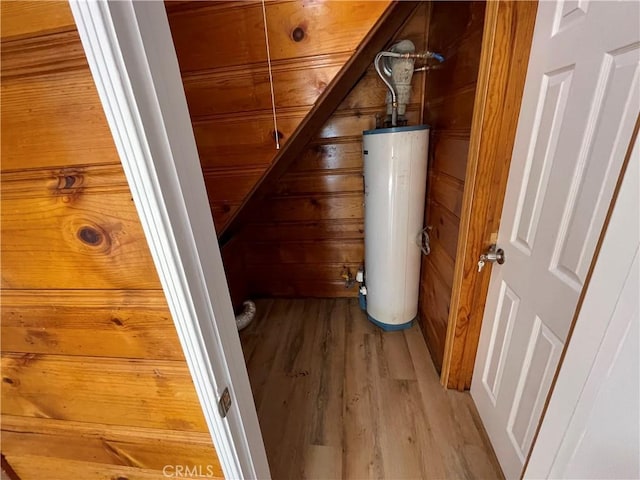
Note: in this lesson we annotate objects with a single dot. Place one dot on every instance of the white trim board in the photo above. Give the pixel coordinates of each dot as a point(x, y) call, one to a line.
point(132, 58)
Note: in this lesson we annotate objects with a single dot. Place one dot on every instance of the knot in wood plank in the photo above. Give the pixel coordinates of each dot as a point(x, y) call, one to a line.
point(298, 34)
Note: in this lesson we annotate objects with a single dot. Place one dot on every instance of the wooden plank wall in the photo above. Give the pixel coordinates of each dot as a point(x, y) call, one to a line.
point(94, 382)
point(310, 229)
point(223, 59)
point(456, 31)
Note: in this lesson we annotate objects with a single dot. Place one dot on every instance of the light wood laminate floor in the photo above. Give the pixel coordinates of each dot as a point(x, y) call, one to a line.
point(339, 398)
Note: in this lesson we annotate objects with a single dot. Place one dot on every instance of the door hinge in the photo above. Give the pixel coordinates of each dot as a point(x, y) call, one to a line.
point(224, 403)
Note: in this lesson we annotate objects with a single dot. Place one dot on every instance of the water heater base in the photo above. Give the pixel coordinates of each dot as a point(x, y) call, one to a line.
point(388, 327)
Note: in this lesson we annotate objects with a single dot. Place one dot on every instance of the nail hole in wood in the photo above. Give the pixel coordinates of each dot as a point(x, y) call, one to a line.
point(69, 180)
point(298, 34)
point(90, 236)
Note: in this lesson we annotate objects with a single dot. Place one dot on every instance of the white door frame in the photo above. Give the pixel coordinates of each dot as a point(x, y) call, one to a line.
point(134, 65)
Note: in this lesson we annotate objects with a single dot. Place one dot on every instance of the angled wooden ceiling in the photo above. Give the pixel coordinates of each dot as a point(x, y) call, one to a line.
point(318, 50)
point(380, 34)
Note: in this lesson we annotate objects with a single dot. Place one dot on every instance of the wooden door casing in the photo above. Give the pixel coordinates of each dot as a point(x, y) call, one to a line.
point(506, 44)
point(455, 30)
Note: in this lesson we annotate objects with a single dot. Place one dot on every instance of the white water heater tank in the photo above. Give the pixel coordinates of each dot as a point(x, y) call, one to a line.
point(395, 180)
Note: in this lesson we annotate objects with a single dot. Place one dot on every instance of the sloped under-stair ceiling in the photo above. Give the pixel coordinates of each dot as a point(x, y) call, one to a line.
point(310, 229)
point(223, 59)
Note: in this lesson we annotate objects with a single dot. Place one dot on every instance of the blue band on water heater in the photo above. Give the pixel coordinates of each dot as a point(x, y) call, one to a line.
point(387, 327)
point(396, 129)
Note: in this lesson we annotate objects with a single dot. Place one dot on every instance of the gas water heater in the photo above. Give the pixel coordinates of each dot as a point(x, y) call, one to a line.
point(395, 179)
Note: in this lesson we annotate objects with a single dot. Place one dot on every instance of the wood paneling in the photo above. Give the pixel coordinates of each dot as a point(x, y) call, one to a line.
point(72, 228)
point(32, 109)
point(99, 323)
point(296, 184)
point(452, 23)
point(302, 272)
point(223, 210)
point(294, 288)
point(505, 53)
point(441, 263)
point(449, 154)
point(176, 6)
point(447, 191)
point(320, 157)
point(452, 112)
point(437, 296)
point(445, 226)
point(33, 17)
point(212, 38)
point(309, 227)
point(296, 83)
point(32, 466)
point(322, 251)
point(222, 56)
point(388, 24)
point(462, 59)
point(107, 444)
point(319, 206)
point(94, 381)
point(128, 392)
point(353, 123)
point(235, 271)
point(230, 184)
point(243, 141)
point(455, 30)
point(370, 95)
point(53, 53)
point(338, 229)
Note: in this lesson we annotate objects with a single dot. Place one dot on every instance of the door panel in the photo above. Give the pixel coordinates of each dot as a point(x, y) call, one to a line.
point(553, 101)
point(543, 352)
point(603, 144)
point(593, 414)
point(579, 107)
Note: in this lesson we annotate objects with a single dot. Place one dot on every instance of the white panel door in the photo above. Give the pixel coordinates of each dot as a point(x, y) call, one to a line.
point(580, 103)
point(591, 429)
